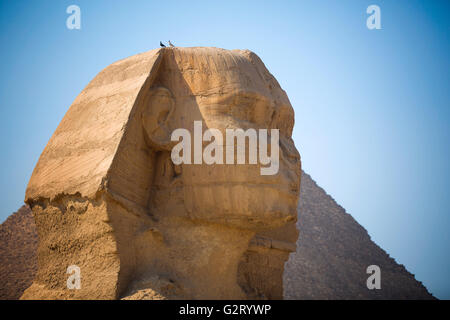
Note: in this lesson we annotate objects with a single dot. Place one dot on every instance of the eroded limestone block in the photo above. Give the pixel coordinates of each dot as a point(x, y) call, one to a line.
point(107, 197)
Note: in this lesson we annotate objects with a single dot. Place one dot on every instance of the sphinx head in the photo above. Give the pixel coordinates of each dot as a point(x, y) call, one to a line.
point(210, 95)
point(108, 194)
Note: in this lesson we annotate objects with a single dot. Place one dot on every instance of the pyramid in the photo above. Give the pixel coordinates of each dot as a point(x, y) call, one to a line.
point(333, 253)
point(18, 245)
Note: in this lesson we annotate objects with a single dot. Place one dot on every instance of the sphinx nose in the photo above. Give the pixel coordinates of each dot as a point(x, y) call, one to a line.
point(289, 153)
point(290, 158)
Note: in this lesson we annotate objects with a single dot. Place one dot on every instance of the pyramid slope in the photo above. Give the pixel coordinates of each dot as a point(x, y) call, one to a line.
point(333, 252)
point(18, 245)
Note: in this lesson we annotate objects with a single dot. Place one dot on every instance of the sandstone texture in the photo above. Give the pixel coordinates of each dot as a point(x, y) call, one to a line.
point(107, 197)
point(333, 251)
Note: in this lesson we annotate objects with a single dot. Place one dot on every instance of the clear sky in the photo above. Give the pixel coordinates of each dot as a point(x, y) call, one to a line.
point(372, 106)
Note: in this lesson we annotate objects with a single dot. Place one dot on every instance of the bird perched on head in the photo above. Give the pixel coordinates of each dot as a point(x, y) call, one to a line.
point(162, 44)
point(170, 44)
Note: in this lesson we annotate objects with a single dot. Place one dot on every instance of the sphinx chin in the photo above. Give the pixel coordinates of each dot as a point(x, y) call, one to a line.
point(243, 206)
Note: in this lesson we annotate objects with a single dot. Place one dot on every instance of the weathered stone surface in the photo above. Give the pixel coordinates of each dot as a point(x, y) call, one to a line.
point(106, 196)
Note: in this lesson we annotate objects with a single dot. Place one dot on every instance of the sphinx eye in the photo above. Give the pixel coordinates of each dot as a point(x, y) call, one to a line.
point(244, 101)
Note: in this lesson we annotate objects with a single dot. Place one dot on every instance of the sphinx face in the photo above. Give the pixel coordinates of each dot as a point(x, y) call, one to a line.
point(228, 92)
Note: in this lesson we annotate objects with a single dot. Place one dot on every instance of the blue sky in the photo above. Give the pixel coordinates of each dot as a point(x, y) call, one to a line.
point(372, 106)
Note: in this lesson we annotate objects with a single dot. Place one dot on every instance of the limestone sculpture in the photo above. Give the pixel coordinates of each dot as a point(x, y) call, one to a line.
point(107, 197)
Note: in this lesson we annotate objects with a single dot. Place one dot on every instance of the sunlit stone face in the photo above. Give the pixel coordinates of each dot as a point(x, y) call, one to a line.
point(231, 94)
point(107, 194)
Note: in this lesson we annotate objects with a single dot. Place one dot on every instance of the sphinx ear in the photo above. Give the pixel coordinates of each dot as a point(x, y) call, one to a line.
point(156, 117)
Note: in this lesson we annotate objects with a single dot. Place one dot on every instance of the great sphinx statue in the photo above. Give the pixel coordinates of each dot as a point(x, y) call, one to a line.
point(107, 197)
